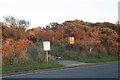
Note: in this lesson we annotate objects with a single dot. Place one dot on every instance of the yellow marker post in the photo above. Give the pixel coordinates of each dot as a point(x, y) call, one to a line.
point(72, 40)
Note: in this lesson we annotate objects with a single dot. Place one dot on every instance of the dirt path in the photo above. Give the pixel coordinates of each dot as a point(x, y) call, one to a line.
point(68, 63)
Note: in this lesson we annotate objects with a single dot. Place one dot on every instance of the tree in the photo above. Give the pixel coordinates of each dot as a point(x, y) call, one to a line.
point(16, 29)
point(54, 25)
point(23, 24)
point(14, 22)
point(10, 21)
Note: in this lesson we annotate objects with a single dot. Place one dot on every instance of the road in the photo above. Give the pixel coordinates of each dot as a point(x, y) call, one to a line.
point(109, 70)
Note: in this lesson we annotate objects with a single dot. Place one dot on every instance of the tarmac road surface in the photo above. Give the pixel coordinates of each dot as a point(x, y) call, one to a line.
point(109, 70)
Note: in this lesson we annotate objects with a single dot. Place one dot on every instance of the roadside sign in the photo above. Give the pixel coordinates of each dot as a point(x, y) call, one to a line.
point(46, 45)
point(72, 40)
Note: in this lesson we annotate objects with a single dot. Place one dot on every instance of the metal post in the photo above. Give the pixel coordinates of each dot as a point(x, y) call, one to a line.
point(47, 57)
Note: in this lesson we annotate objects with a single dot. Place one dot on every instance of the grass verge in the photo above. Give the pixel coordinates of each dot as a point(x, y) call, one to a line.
point(11, 68)
point(102, 59)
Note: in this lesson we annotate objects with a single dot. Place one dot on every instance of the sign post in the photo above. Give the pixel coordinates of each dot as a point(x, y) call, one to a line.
point(46, 45)
point(47, 57)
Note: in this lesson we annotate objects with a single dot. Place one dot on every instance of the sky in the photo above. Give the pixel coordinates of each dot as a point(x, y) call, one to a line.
point(119, 12)
point(43, 12)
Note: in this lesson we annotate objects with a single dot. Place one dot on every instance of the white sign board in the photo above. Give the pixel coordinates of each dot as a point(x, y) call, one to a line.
point(71, 38)
point(46, 45)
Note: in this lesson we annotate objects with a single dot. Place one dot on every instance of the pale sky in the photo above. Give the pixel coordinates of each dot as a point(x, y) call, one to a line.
point(43, 12)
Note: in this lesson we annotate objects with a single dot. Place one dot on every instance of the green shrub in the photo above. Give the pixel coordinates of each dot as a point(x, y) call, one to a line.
point(102, 51)
point(41, 57)
point(22, 60)
point(33, 52)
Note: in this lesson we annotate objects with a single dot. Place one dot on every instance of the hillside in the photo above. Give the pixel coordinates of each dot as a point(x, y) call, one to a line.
point(91, 40)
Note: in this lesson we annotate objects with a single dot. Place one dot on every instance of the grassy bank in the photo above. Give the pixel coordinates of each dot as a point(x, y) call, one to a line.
point(11, 68)
point(102, 59)
point(96, 60)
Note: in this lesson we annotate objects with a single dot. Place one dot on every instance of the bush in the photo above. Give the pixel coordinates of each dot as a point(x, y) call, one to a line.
point(101, 51)
point(24, 59)
point(86, 54)
point(38, 54)
point(52, 59)
point(33, 52)
point(41, 57)
point(97, 52)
